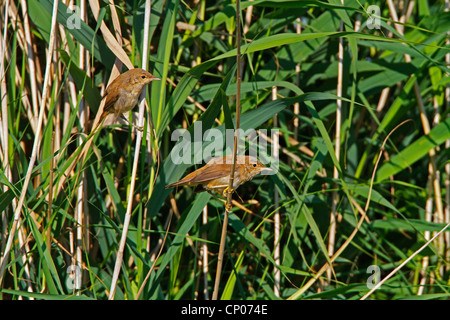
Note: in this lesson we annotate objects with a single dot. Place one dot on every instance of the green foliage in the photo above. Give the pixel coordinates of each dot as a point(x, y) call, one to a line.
point(201, 62)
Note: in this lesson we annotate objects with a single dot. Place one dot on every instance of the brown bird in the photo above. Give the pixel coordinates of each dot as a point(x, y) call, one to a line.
point(123, 93)
point(215, 175)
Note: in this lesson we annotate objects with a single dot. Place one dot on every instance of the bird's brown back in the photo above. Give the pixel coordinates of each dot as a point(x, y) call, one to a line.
point(220, 167)
point(204, 174)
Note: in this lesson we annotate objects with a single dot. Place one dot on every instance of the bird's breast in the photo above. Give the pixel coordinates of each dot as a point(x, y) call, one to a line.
point(127, 100)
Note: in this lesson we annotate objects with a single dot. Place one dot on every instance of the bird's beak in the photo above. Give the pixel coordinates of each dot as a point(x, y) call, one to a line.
point(156, 79)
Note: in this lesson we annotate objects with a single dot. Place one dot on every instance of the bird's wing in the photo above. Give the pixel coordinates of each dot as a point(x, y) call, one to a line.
point(211, 172)
point(111, 98)
point(203, 174)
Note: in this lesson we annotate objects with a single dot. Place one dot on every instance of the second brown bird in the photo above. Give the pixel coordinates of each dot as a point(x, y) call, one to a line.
point(215, 175)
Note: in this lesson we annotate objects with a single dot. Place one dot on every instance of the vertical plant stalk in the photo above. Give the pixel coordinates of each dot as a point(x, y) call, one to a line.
point(163, 241)
point(337, 150)
point(139, 135)
point(248, 18)
point(19, 29)
point(36, 143)
point(230, 189)
point(201, 16)
point(426, 235)
point(221, 252)
point(276, 217)
point(379, 284)
point(298, 30)
point(50, 196)
point(81, 187)
point(380, 105)
point(27, 260)
point(204, 256)
point(432, 168)
point(71, 91)
point(4, 139)
point(122, 58)
point(112, 43)
point(30, 56)
point(447, 146)
point(363, 213)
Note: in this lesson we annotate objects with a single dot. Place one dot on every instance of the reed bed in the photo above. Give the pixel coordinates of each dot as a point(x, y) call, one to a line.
point(356, 92)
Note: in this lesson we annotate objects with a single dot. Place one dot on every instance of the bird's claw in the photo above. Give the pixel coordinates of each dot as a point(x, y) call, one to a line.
point(227, 191)
point(139, 128)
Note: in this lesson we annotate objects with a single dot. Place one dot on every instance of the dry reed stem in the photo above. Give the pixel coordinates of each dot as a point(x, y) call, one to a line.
point(379, 284)
point(139, 136)
point(4, 152)
point(426, 235)
point(363, 212)
point(335, 194)
point(248, 18)
point(50, 195)
point(327, 266)
point(204, 256)
point(111, 42)
point(80, 214)
point(36, 143)
point(434, 173)
point(447, 146)
point(122, 58)
point(277, 224)
point(156, 259)
point(27, 260)
point(429, 208)
point(220, 255)
point(296, 123)
point(30, 55)
point(233, 166)
point(32, 110)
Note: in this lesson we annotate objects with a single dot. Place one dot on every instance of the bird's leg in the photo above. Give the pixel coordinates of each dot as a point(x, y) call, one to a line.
point(211, 193)
point(227, 190)
point(225, 202)
point(140, 128)
point(237, 204)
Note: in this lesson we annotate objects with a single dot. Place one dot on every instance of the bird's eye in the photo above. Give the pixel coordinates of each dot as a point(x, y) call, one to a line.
point(143, 76)
point(254, 165)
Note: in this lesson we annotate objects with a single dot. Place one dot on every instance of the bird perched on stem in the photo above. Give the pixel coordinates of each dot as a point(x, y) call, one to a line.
point(215, 175)
point(121, 96)
point(124, 92)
